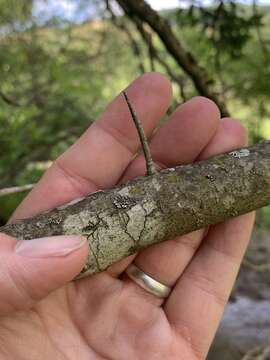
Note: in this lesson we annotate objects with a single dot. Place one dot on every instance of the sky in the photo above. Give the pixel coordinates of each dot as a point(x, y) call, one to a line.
point(68, 10)
point(163, 4)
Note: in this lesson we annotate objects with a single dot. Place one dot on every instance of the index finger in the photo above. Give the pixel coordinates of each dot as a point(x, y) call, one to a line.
point(98, 159)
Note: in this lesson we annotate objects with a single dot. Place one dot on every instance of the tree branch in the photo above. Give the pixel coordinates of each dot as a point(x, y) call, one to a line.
point(122, 26)
point(178, 79)
point(203, 83)
point(147, 210)
point(15, 189)
point(8, 100)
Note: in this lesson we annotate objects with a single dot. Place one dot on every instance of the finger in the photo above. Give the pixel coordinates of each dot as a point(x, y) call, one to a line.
point(231, 134)
point(98, 159)
point(166, 261)
point(31, 269)
point(196, 305)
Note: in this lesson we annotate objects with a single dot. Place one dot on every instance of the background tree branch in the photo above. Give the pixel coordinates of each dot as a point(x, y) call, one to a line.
point(15, 189)
point(202, 81)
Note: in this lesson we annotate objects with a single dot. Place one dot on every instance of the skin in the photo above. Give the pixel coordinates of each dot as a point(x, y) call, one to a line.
point(107, 316)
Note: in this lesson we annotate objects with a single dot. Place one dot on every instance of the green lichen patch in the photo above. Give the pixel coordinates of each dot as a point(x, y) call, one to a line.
point(136, 190)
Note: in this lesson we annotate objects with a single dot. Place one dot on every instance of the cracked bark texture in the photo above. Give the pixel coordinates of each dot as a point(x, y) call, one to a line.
point(147, 210)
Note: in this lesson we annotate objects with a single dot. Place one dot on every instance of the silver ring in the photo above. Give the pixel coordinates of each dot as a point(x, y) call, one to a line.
point(147, 282)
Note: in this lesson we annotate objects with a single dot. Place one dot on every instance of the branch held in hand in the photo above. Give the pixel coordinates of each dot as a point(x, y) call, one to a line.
point(121, 221)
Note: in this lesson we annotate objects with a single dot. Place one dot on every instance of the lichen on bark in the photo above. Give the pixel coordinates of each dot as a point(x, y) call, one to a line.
point(147, 210)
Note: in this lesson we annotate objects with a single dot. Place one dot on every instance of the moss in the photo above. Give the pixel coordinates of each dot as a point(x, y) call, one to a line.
point(173, 178)
point(220, 160)
point(136, 190)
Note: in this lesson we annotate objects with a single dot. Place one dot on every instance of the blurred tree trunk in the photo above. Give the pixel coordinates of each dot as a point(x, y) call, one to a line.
point(199, 76)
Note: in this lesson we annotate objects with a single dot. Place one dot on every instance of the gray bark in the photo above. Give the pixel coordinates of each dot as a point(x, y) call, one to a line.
point(147, 210)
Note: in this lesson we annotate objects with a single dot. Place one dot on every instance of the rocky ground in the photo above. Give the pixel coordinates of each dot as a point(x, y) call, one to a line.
point(245, 329)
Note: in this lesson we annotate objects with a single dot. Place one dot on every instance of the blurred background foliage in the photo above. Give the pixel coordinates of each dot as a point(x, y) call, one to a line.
point(60, 66)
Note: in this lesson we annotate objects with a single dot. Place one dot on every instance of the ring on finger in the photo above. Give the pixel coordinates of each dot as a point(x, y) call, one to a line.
point(147, 282)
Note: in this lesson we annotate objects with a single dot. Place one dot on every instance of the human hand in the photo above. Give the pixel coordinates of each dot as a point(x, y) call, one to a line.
point(108, 316)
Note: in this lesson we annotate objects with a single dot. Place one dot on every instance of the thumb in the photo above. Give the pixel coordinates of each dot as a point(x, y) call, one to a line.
point(31, 269)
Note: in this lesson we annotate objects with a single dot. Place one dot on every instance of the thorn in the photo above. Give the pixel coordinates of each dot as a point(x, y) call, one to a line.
point(150, 166)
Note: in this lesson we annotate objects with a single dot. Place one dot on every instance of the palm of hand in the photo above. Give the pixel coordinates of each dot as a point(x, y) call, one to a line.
point(108, 316)
point(114, 322)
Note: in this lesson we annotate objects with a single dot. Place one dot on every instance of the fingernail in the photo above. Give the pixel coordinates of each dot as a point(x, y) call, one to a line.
point(49, 246)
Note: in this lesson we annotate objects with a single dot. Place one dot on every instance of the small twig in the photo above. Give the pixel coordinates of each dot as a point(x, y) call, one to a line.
point(8, 100)
point(150, 167)
point(146, 37)
point(15, 189)
point(151, 52)
point(119, 22)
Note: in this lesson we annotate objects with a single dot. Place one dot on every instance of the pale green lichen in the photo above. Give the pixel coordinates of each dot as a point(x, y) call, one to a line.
point(149, 206)
point(156, 185)
point(73, 224)
point(240, 153)
point(125, 191)
point(136, 221)
point(228, 201)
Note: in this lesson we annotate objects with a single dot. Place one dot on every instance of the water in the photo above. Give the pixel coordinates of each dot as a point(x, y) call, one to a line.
point(245, 325)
